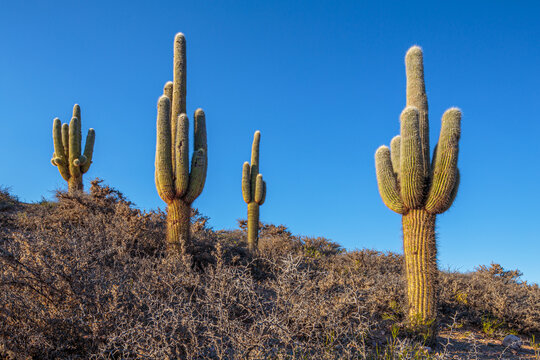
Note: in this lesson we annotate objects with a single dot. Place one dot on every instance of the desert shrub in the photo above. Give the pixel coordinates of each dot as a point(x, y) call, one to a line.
point(490, 292)
point(86, 277)
point(8, 204)
point(7, 200)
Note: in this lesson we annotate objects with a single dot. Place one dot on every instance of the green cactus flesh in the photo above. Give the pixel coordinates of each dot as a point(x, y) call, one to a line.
point(67, 150)
point(253, 192)
point(176, 183)
point(419, 190)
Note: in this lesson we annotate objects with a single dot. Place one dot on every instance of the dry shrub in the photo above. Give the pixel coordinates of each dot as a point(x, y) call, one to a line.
point(493, 292)
point(7, 200)
point(85, 277)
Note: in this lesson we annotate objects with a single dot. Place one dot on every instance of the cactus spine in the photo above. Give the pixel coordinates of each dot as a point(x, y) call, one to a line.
point(67, 155)
point(175, 183)
point(418, 189)
point(253, 191)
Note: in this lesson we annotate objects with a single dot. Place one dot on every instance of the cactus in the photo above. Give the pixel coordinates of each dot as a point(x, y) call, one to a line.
point(419, 190)
point(175, 183)
point(67, 155)
point(253, 191)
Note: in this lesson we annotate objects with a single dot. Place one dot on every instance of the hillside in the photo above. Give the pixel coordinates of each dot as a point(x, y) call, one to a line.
point(85, 276)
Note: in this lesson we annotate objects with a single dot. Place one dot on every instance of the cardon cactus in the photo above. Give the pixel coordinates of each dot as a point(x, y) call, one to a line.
point(175, 183)
point(419, 189)
point(67, 155)
point(253, 191)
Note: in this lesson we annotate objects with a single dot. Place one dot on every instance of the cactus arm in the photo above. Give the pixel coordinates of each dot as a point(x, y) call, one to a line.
point(246, 183)
point(445, 163)
point(74, 147)
point(168, 89)
point(65, 140)
point(158, 186)
point(416, 96)
point(164, 177)
point(178, 99)
point(453, 194)
point(57, 139)
point(412, 178)
point(263, 198)
point(255, 160)
point(199, 165)
point(197, 176)
point(395, 147)
point(181, 147)
point(200, 130)
point(386, 179)
point(77, 112)
point(200, 142)
point(88, 150)
point(259, 189)
point(59, 158)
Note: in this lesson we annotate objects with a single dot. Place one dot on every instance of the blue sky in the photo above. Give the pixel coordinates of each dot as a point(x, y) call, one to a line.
point(323, 81)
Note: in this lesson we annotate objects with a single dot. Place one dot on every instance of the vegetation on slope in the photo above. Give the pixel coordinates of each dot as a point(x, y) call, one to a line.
point(86, 276)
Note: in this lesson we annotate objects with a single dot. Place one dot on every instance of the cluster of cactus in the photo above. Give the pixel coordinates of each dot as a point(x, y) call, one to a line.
point(176, 184)
point(67, 150)
point(419, 189)
point(254, 192)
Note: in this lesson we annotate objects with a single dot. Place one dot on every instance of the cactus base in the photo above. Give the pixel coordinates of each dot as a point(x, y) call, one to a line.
point(253, 225)
point(178, 227)
point(420, 266)
point(75, 184)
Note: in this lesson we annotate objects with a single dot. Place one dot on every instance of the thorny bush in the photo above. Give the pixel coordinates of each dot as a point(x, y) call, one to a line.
point(86, 277)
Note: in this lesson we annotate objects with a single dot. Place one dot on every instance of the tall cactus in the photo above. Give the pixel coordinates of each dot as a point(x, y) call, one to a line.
point(67, 150)
point(253, 191)
point(175, 183)
point(418, 189)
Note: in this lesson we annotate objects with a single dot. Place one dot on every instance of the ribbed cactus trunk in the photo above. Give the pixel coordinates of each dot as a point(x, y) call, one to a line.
point(75, 183)
point(419, 188)
point(253, 225)
point(178, 227)
point(254, 192)
point(420, 264)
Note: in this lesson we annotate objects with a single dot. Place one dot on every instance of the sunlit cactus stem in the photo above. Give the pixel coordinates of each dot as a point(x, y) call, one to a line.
point(254, 192)
point(176, 183)
point(67, 150)
point(419, 188)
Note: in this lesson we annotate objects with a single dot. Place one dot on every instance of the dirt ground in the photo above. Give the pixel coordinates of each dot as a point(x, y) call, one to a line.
point(471, 344)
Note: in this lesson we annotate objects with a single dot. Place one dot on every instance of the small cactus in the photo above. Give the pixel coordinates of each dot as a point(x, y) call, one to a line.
point(419, 189)
point(175, 183)
point(67, 155)
point(253, 191)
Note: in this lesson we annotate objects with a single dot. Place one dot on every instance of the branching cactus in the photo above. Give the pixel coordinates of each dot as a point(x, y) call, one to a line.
point(67, 155)
point(176, 184)
point(253, 191)
point(419, 189)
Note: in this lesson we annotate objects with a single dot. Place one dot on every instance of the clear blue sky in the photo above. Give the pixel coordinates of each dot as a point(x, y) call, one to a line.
point(324, 81)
